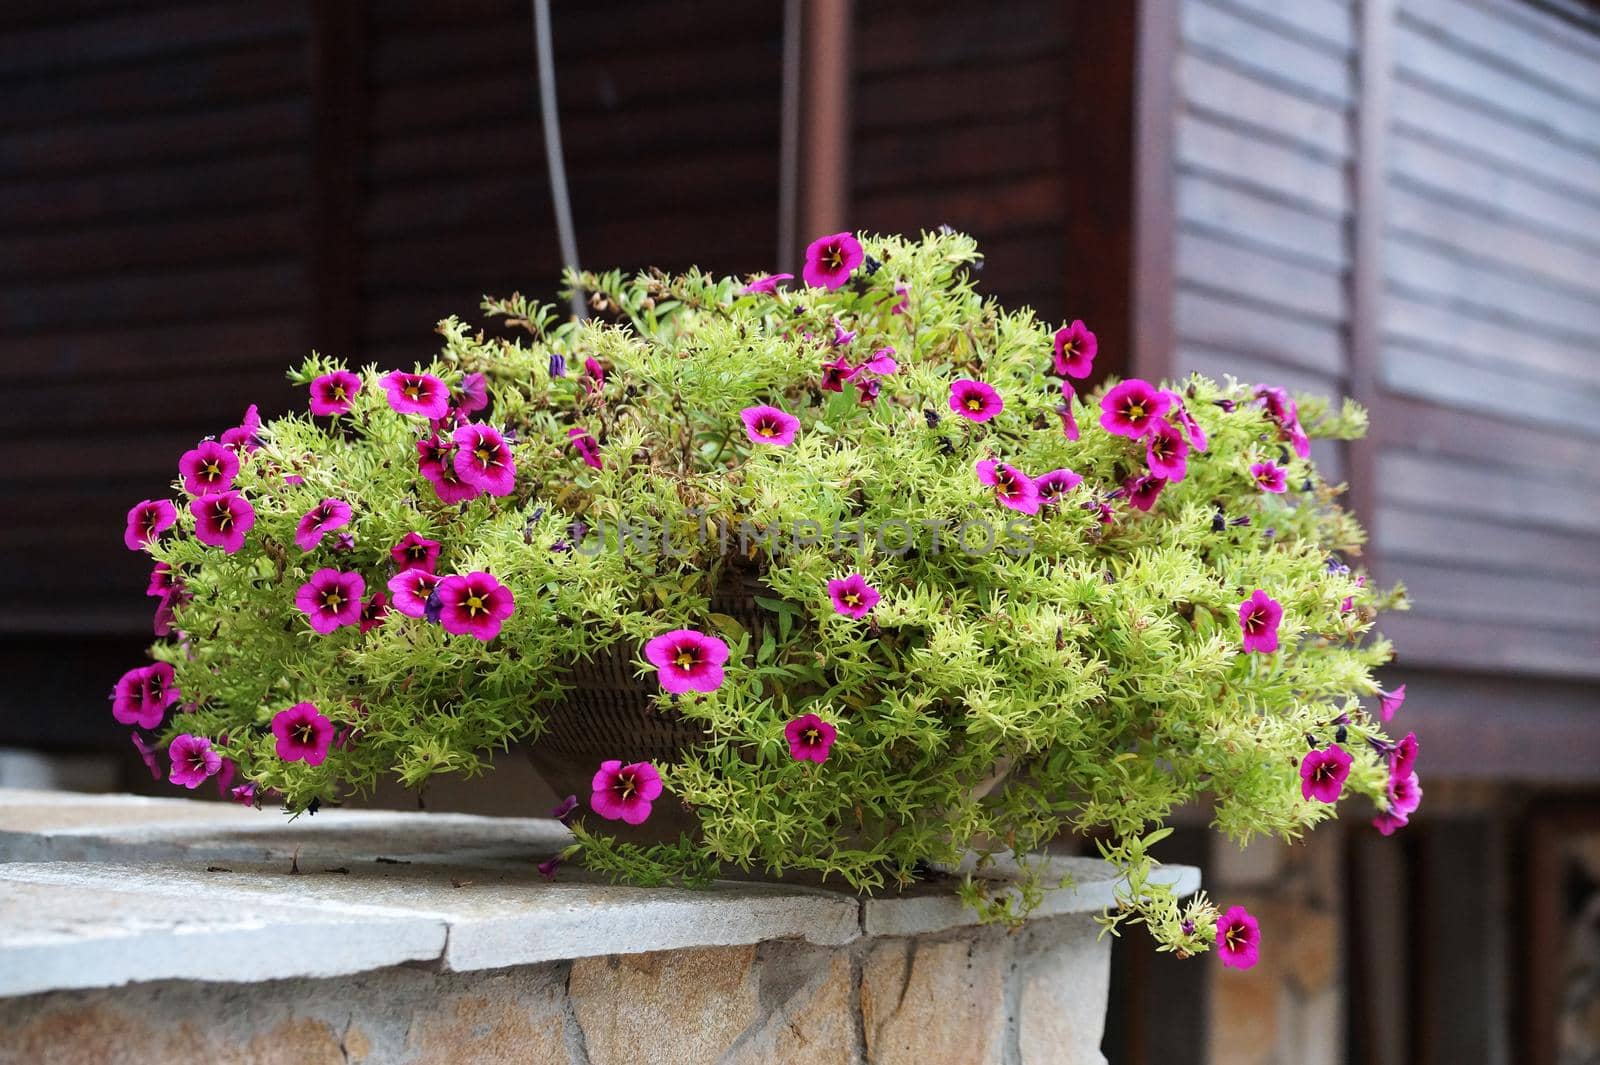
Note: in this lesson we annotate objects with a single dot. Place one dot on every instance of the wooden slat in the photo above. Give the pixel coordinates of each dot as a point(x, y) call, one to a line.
point(1427, 58)
point(1491, 646)
point(1268, 280)
point(243, 181)
point(1453, 487)
point(1548, 309)
point(1470, 594)
point(1214, 320)
point(931, 98)
point(1000, 206)
point(217, 394)
point(915, 36)
point(144, 298)
point(1421, 323)
point(1241, 217)
point(1435, 170)
point(1420, 110)
point(1283, 171)
point(1533, 57)
point(1328, 23)
point(1498, 391)
point(1402, 533)
point(118, 352)
point(153, 246)
point(1248, 44)
point(1217, 91)
point(1488, 443)
point(1009, 146)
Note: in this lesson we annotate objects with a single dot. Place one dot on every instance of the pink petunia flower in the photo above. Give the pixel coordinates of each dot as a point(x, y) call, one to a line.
point(163, 581)
point(1142, 492)
point(244, 437)
point(625, 792)
point(415, 551)
point(303, 734)
point(1069, 420)
point(1076, 348)
point(411, 589)
point(1238, 938)
point(1012, 487)
point(1259, 617)
point(830, 260)
point(842, 337)
point(472, 394)
point(1166, 451)
point(474, 605)
point(319, 521)
point(767, 284)
point(594, 376)
point(375, 610)
point(587, 447)
point(1131, 408)
point(1054, 486)
point(1404, 791)
point(852, 596)
point(147, 520)
point(334, 393)
point(1389, 702)
point(903, 305)
point(436, 460)
point(866, 390)
point(1180, 414)
point(1404, 759)
point(836, 373)
point(810, 738)
point(483, 459)
point(148, 753)
point(193, 761)
point(222, 520)
point(1282, 409)
point(880, 362)
point(1323, 773)
point(687, 660)
point(225, 775)
point(974, 400)
point(331, 599)
point(769, 425)
point(416, 393)
point(143, 695)
point(208, 468)
point(1270, 477)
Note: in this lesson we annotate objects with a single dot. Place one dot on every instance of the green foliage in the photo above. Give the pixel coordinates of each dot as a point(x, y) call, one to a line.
point(1093, 671)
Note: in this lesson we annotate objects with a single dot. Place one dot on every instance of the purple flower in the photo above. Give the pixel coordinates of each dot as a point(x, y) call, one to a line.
point(143, 695)
point(769, 425)
point(853, 596)
point(1076, 347)
point(1283, 410)
point(1389, 702)
point(830, 260)
point(880, 362)
point(1259, 617)
point(558, 364)
point(810, 738)
point(564, 809)
point(1269, 476)
point(866, 390)
point(436, 460)
point(765, 284)
point(415, 551)
point(1323, 773)
point(334, 393)
point(1404, 757)
point(1054, 486)
point(625, 792)
point(193, 761)
point(842, 336)
point(687, 660)
point(974, 400)
point(411, 589)
point(303, 733)
point(374, 611)
point(1197, 436)
point(474, 605)
point(222, 520)
point(243, 437)
point(316, 523)
point(1143, 491)
point(1238, 938)
point(903, 306)
point(1012, 487)
point(147, 520)
point(594, 376)
point(1131, 408)
point(331, 598)
point(836, 373)
point(1069, 420)
point(416, 393)
point(584, 443)
point(483, 460)
point(208, 468)
point(548, 867)
point(472, 394)
point(148, 754)
point(1166, 451)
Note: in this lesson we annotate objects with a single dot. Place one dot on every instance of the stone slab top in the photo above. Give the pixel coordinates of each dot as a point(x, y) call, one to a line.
point(100, 891)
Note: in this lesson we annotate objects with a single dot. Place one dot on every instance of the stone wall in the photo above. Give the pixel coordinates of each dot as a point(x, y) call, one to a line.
point(161, 930)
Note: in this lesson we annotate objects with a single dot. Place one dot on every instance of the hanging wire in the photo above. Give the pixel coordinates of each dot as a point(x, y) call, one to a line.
point(555, 162)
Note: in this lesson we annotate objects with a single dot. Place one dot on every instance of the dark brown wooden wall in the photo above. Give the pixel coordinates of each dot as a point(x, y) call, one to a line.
point(1488, 493)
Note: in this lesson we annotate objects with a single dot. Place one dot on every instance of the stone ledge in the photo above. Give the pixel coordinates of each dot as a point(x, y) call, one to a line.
point(103, 891)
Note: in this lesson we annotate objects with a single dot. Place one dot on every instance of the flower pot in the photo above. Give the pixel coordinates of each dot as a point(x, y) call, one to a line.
point(611, 713)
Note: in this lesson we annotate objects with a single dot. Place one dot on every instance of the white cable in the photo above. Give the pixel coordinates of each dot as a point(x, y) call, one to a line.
point(554, 161)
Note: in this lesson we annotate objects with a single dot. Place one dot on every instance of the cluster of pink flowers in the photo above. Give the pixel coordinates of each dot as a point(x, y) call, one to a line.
point(1157, 418)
